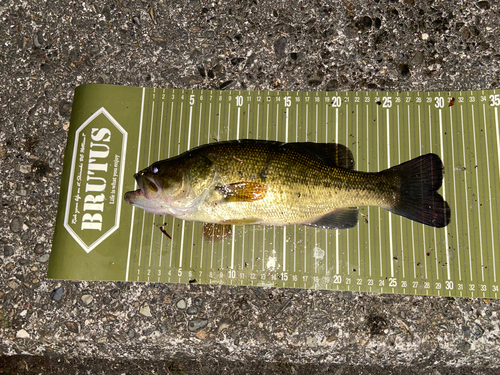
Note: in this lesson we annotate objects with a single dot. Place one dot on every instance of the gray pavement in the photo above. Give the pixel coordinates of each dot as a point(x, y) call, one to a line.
point(49, 48)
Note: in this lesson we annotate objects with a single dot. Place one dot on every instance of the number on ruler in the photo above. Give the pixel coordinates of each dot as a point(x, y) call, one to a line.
point(239, 101)
point(231, 274)
point(337, 279)
point(439, 102)
point(386, 102)
point(336, 101)
point(288, 101)
point(191, 99)
point(392, 282)
point(495, 100)
point(448, 285)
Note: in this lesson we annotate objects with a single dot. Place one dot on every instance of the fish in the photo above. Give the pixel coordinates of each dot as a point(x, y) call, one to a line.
point(243, 182)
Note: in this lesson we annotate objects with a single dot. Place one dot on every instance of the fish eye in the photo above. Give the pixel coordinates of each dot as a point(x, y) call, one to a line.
point(155, 169)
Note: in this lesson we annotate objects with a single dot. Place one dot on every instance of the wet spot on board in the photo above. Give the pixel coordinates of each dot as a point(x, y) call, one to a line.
point(318, 253)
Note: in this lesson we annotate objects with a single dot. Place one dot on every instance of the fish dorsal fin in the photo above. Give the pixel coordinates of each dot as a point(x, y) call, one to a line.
point(341, 218)
point(333, 154)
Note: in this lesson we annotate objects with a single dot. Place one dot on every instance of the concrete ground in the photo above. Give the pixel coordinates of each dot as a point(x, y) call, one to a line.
point(49, 48)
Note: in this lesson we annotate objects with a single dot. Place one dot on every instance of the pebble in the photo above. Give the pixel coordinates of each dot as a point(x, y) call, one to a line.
point(418, 58)
point(8, 250)
point(181, 304)
point(145, 310)
point(57, 294)
point(72, 327)
point(425, 36)
point(16, 225)
point(87, 298)
point(198, 301)
point(131, 333)
point(43, 259)
point(38, 248)
point(115, 293)
point(22, 334)
point(25, 168)
point(196, 324)
point(21, 190)
point(202, 334)
point(192, 310)
point(13, 284)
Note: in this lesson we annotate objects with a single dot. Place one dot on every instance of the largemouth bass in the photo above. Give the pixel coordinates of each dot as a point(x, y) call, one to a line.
point(275, 183)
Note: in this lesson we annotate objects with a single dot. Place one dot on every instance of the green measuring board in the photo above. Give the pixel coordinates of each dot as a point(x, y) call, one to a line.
point(117, 131)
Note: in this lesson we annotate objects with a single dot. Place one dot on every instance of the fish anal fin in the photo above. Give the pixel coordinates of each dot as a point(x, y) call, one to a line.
point(247, 221)
point(217, 232)
point(332, 154)
point(341, 218)
point(242, 191)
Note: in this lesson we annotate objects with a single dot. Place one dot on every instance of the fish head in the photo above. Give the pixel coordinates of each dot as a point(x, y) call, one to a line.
point(168, 188)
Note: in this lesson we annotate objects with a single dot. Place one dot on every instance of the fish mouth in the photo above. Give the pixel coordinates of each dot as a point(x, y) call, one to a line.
point(148, 189)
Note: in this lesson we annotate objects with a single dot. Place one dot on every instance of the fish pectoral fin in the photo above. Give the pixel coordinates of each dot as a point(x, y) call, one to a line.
point(333, 154)
point(217, 232)
point(242, 191)
point(341, 218)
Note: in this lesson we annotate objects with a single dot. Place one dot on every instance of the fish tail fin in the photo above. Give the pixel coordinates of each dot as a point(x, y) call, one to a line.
point(419, 180)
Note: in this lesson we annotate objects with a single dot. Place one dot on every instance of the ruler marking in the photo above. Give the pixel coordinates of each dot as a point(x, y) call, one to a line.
point(478, 198)
point(169, 143)
point(277, 122)
point(493, 229)
point(219, 121)
point(286, 126)
point(368, 209)
point(181, 252)
point(228, 121)
point(149, 163)
point(455, 193)
point(357, 155)
point(159, 158)
point(315, 229)
point(232, 247)
point(378, 208)
point(391, 249)
point(348, 250)
point(400, 218)
point(498, 153)
point(135, 185)
point(411, 224)
point(238, 123)
point(466, 193)
point(441, 140)
point(435, 232)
